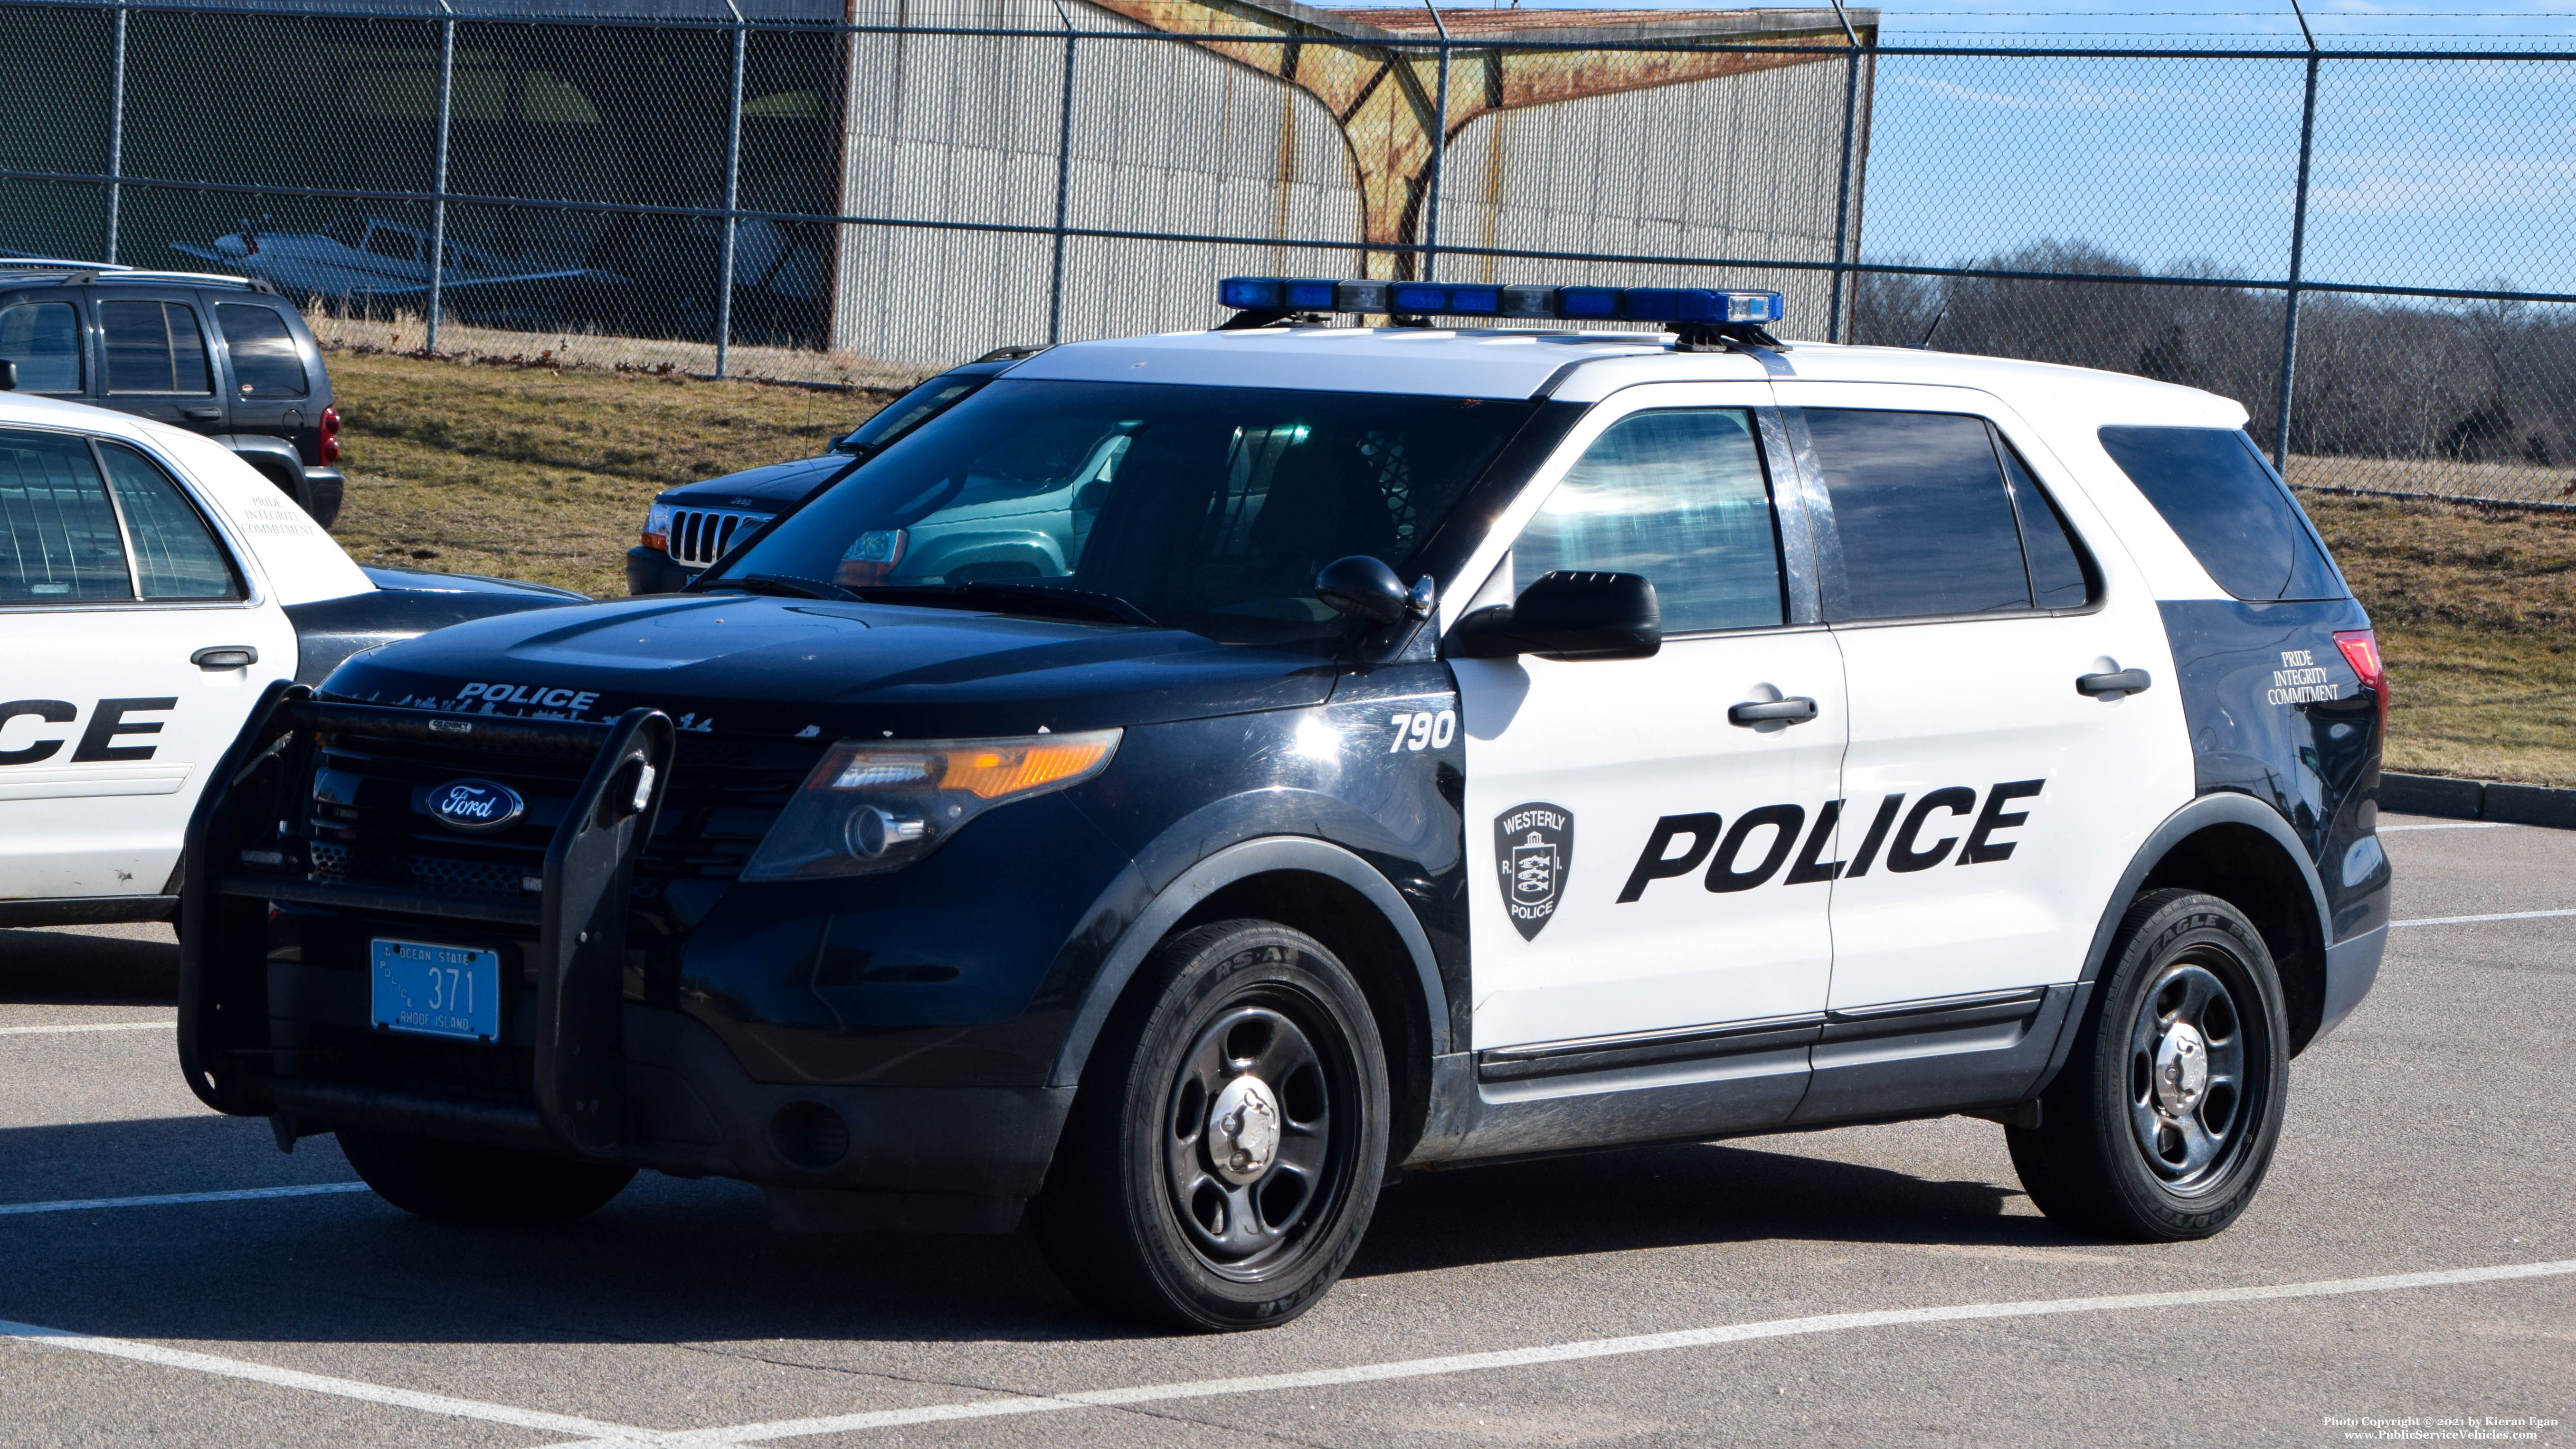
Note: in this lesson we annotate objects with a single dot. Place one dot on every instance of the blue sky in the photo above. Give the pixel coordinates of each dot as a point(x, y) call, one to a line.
point(2426, 174)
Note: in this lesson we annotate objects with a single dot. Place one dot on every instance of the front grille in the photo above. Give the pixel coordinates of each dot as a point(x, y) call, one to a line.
point(486, 879)
point(368, 825)
point(700, 536)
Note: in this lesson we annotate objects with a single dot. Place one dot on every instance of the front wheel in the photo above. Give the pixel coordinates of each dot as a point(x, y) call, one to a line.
point(2162, 1123)
point(454, 1182)
point(1226, 1147)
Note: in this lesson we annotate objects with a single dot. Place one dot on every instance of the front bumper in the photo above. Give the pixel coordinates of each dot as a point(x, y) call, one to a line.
point(582, 1068)
point(650, 571)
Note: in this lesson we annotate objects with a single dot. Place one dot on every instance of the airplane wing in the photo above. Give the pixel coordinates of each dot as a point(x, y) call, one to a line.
point(582, 274)
point(209, 253)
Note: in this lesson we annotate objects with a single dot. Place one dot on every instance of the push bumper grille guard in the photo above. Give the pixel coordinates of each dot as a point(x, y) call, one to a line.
point(580, 920)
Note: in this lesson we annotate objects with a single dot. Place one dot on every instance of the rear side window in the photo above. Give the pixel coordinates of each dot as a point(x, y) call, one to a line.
point(43, 338)
point(265, 361)
point(2058, 576)
point(2228, 509)
point(58, 539)
point(154, 347)
point(1926, 524)
point(175, 554)
point(1675, 496)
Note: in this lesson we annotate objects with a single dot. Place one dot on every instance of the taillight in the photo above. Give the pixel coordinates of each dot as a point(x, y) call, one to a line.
point(329, 452)
point(2361, 650)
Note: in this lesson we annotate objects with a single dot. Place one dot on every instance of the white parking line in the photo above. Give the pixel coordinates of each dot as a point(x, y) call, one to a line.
point(600, 1430)
point(177, 1199)
point(2473, 920)
point(89, 1026)
point(1570, 1352)
point(2454, 825)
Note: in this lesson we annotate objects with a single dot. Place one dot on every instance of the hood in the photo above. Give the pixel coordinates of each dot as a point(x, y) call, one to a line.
point(797, 669)
point(778, 484)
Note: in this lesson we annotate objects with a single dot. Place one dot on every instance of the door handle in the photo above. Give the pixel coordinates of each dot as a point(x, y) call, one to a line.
point(2126, 681)
point(1796, 709)
point(225, 656)
point(201, 415)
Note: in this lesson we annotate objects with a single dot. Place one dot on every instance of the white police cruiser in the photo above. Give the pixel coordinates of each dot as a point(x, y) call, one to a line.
point(151, 585)
point(1197, 775)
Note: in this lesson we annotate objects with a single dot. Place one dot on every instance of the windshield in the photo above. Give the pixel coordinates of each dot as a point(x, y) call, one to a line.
point(1202, 508)
point(907, 412)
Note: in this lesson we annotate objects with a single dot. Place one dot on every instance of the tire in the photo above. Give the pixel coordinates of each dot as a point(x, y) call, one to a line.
point(2164, 1120)
point(1162, 1204)
point(453, 1182)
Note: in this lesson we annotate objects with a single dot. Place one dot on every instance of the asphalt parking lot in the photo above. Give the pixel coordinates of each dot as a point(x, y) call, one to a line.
point(169, 1277)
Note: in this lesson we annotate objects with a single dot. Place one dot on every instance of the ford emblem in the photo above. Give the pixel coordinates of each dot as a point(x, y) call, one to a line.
point(477, 807)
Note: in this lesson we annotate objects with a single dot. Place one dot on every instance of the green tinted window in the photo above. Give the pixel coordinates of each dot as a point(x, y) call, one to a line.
point(58, 541)
point(175, 554)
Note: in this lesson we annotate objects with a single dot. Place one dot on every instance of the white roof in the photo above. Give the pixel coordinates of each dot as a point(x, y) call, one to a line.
point(300, 562)
point(1500, 363)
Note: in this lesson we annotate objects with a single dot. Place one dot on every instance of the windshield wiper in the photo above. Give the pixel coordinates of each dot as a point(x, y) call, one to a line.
point(1055, 599)
point(787, 585)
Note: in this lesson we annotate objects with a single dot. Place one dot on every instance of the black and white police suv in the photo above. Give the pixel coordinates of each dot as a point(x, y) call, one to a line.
point(1197, 775)
point(151, 585)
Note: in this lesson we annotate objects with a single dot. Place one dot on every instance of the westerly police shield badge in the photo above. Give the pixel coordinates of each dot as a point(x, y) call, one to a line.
point(1533, 849)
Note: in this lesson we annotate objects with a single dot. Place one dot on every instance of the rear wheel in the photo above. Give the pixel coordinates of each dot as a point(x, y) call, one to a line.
point(2163, 1122)
point(1226, 1148)
point(454, 1182)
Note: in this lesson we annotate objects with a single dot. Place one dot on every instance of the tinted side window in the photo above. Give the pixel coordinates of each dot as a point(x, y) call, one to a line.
point(58, 541)
point(2229, 510)
point(43, 338)
point(175, 554)
point(265, 362)
point(153, 347)
point(1919, 501)
point(1678, 497)
point(910, 410)
point(2058, 578)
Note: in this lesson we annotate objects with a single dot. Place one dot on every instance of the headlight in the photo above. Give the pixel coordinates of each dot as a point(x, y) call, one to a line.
point(657, 527)
point(880, 806)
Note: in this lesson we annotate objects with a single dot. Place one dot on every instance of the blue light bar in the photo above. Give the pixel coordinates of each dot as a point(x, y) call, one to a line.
point(1675, 306)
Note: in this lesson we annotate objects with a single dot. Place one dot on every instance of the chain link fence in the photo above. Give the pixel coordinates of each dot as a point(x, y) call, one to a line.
point(856, 193)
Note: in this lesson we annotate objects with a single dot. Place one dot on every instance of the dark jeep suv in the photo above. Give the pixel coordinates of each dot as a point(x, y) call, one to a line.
point(223, 356)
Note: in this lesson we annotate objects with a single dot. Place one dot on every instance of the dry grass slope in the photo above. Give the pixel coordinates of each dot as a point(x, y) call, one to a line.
point(2476, 613)
point(539, 473)
point(542, 473)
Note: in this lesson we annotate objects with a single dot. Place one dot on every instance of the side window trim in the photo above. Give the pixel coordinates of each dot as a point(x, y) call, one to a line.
point(217, 526)
point(1831, 598)
point(2013, 464)
point(1828, 539)
point(124, 529)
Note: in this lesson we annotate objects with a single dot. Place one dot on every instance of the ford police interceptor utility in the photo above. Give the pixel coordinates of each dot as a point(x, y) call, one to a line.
point(151, 585)
point(1196, 776)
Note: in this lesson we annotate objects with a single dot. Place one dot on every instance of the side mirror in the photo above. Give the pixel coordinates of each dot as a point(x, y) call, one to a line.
point(1363, 586)
point(1568, 616)
point(8, 375)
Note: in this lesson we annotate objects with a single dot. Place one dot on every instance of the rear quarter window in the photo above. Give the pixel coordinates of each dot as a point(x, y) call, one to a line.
point(2228, 508)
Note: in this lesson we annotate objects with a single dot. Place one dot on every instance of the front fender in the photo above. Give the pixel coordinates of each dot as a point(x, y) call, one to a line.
point(1234, 862)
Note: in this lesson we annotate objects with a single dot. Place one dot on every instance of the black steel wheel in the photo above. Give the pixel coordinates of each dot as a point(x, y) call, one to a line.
point(1229, 1137)
point(2164, 1119)
point(456, 1182)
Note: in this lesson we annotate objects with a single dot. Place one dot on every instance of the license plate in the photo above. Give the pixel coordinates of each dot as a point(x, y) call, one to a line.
point(431, 990)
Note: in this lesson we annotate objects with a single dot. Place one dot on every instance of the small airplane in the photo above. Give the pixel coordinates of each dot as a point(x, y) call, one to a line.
point(368, 256)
